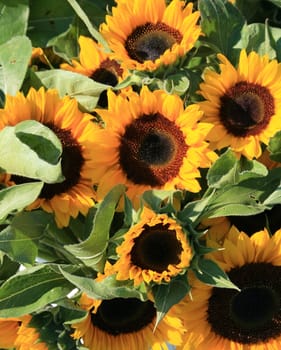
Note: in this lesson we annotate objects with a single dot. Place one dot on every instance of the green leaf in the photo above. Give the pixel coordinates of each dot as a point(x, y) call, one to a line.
point(48, 19)
point(208, 272)
point(14, 59)
point(161, 200)
point(228, 169)
point(92, 30)
point(92, 251)
point(18, 197)
point(8, 267)
point(167, 295)
point(13, 19)
point(261, 38)
point(18, 246)
point(32, 289)
point(224, 170)
point(40, 139)
point(222, 23)
point(108, 288)
point(36, 156)
point(84, 89)
point(32, 223)
point(274, 147)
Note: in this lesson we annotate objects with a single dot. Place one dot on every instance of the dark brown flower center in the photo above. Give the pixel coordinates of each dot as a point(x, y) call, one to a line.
point(119, 316)
point(150, 41)
point(152, 150)
point(246, 109)
point(253, 223)
point(252, 315)
point(155, 248)
point(108, 73)
point(71, 162)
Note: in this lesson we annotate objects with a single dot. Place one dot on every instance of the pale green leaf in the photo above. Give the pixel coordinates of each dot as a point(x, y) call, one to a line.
point(14, 59)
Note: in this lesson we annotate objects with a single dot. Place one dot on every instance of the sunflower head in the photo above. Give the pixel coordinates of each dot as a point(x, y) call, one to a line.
point(96, 64)
point(154, 250)
point(146, 34)
point(243, 103)
point(75, 131)
point(151, 141)
point(125, 323)
point(247, 318)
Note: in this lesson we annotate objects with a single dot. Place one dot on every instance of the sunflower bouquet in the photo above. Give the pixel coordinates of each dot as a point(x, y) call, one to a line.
point(140, 177)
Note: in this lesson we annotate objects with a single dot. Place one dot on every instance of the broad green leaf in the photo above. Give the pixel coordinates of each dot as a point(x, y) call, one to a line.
point(92, 30)
point(92, 250)
point(18, 197)
point(84, 89)
point(31, 290)
point(14, 58)
point(162, 201)
point(262, 38)
point(223, 171)
point(274, 147)
point(167, 295)
point(276, 2)
point(208, 272)
point(18, 246)
point(8, 267)
point(48, 19)
point(228, 169)
point(221, 23)
point(40, 139)
point(32, 223)
point(13, 19)
point(108, 288)
point(30, 158)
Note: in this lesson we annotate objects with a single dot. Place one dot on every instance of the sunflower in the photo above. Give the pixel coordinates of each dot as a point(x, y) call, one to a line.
point(8, 332)
point(155, 249)
point(123, 324)
point(244, 319)
point(146, 34)
point(75, 131)
point(96, 64)
point(244, 104)
point(28, 337)
point(150, 141)
point(267, 161)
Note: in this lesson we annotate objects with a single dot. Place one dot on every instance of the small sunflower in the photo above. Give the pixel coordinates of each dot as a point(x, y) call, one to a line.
point(146, 34)
point(97, 65)
point(123, 324)
point(154, 250)
point(75, 130)
point(8, 332)
point(249, 319)
point(150, 141)
point(28, 338)
point(244, 104)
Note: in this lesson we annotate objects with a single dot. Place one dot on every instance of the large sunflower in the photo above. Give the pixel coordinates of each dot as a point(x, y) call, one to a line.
point(244, 104)
point(123, 324)
point(28, 338)
point(98, 65)
point(8, 332)
point(150, 141)
point(75, 131)
point(143, 34)
point(249, 319)
point(154, 250)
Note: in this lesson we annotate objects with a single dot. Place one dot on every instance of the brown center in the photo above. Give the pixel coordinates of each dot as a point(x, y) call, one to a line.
point(156, 248)
point(152, 150)
point(150, 41)
point(246, 109)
